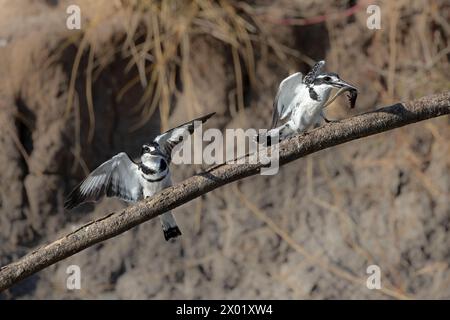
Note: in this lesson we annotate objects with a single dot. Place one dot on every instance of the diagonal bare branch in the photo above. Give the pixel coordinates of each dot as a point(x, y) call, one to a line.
point(329, 135)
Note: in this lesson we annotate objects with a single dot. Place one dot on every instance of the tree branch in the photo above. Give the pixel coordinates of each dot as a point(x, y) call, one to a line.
point(326, 136)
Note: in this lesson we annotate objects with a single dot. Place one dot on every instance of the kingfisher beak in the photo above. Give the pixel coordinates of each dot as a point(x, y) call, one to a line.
point(156, 152)
point(343, 84)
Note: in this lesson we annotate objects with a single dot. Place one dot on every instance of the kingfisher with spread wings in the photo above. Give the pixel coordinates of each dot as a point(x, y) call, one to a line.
point(132, 181)
point(300, 101)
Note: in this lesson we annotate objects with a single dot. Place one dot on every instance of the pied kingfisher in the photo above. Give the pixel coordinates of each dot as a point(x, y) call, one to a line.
point(131, 181)
point(301, 100)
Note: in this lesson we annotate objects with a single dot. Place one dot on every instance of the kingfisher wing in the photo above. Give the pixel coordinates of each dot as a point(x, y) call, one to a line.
point(282, 105)
point(117, 177)
point(169, 139)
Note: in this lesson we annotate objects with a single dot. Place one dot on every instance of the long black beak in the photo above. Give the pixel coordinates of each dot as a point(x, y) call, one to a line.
point(156, 152)
point(343, 84)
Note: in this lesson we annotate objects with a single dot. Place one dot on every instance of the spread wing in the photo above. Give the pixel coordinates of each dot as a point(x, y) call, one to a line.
point(286, 92)
point(117, 177)
point(169, 139)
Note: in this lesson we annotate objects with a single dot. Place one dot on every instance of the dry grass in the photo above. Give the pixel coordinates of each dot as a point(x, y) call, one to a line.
point(157, 43)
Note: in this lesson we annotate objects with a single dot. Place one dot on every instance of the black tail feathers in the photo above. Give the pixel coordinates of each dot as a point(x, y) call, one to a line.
point(172, 232)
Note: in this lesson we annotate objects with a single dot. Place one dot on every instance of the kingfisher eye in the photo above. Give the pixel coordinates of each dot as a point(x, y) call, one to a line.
point(145, 149)
point(327, 78)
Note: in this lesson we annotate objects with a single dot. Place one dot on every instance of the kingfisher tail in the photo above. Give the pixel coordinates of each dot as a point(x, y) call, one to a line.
point(169, 226)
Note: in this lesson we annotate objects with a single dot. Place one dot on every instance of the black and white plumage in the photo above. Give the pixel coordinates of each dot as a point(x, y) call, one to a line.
point(300, 101)
point(132, 181)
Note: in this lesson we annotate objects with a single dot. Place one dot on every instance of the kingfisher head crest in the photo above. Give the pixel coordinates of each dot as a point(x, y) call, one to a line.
point(315, 71)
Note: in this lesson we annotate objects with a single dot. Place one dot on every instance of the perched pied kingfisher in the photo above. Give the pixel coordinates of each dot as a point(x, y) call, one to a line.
point(131, 181)
point(301, 100)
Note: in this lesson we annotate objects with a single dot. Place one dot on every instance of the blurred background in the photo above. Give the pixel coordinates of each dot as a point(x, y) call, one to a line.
point(70, 99)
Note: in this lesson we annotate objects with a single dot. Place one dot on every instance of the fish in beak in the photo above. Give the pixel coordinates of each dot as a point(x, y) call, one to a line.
point(344, 86)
